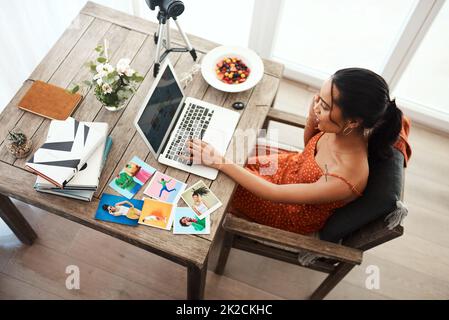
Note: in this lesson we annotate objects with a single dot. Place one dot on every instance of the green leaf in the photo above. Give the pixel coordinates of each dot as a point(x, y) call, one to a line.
point(137, 78)
point(108, 80)
point(92, 66)
point(75, 89)
point(113, 74)
point(99, 48)
point(102, 60)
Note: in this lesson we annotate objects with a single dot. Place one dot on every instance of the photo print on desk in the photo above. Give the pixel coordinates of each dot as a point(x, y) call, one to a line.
point(165, 188)
point(132, 177)
point(201, 199)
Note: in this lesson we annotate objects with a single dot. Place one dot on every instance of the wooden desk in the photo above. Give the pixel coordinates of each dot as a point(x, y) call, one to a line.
point(130, 37)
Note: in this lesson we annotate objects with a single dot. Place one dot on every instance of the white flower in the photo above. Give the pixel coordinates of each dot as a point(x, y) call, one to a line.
point(100, 68)
point(104, 69)
point(129, 72)
point(99, 75)
point(100, 81)
point(106, 88)
point(108, 68)
point(123, 65)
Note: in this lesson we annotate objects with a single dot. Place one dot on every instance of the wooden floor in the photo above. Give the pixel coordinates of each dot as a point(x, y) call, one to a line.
point(415, 266)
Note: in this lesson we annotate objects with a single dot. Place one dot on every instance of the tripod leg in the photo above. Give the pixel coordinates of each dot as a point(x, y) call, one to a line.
point(158, 50)
point(167, 35)
point(186, 41)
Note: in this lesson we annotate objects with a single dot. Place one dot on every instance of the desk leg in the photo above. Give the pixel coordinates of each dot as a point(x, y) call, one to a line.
point(15, 221)
point(196, 281)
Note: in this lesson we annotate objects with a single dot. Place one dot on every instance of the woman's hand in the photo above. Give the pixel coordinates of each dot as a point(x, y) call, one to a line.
point(203, 153)
point(311, 127)
point(311, 118)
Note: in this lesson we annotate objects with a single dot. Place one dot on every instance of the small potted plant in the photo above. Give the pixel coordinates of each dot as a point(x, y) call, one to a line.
point(18, 144)
point(113, 86)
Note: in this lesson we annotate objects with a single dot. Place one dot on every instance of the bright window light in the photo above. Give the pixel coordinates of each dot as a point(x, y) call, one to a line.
point(327, 35)
point(425, 82)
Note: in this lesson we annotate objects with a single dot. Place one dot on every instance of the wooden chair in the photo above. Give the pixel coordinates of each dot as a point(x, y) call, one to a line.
point(335, 259)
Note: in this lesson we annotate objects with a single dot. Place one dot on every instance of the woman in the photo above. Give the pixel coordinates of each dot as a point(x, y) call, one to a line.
point(164, 183)
point(199, 206)
point(352, 118)
point(119, 209)
point(197, 224)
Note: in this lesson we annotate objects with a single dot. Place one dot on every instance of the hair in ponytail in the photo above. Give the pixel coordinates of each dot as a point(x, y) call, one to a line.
point(365, 95)
point(385, 133)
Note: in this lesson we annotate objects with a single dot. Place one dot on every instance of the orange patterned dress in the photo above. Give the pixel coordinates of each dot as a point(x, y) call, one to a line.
point(293, 168)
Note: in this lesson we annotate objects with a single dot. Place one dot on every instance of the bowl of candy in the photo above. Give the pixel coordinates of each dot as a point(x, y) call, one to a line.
point(232, 69)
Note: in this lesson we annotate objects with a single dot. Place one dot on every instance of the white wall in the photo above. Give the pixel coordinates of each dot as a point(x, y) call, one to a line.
point(29, 28)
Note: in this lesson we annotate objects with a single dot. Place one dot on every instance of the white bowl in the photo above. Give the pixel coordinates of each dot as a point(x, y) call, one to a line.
point(249, 57)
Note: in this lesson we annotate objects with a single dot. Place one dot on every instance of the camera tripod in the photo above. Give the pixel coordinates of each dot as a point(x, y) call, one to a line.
point(162, 38)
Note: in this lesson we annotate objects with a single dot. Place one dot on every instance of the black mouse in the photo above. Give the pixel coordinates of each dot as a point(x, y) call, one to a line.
point(238, 105)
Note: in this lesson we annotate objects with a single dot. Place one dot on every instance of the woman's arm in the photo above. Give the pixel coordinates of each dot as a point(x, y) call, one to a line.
point(124, 202)
point(311, 125)
point(204, 204)
point(129, 203)
point(326, 189)
point(198, 213)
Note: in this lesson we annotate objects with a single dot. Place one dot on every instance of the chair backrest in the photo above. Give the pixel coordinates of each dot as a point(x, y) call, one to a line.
point(372, 235)
point(361, 223)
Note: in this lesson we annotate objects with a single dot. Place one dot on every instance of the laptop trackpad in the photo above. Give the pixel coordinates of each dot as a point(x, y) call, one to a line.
point(219, 139)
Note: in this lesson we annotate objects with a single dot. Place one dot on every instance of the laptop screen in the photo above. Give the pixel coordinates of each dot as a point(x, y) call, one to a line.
point(160, 109)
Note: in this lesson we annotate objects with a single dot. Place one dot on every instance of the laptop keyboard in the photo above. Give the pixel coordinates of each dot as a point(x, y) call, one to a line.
point(193, 125)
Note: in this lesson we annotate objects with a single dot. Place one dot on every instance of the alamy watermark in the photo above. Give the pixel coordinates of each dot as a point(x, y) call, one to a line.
point(243, 150)
point(372, 281)
point(72, 282)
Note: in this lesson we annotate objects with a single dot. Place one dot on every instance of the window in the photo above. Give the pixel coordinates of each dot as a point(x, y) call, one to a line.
point(425, 82)
point(326, 35)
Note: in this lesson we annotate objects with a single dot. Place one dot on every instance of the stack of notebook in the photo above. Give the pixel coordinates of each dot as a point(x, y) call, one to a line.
point(70, 161)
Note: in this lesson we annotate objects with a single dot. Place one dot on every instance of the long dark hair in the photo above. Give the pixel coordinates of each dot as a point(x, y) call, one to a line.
point(364, 94)
point(201, 191)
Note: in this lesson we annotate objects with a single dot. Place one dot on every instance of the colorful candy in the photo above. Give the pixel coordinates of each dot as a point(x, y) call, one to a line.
point(232, 70)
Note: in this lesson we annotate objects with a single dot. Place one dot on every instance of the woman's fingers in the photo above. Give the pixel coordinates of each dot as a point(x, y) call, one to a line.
point(196, 144)
point(185, 157)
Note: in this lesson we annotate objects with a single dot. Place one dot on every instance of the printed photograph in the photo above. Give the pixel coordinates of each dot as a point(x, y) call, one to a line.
point(132, 177)
point(118, 209)
point(187, 222)
point(201, 200)
point(165, 188)
point(157, 214)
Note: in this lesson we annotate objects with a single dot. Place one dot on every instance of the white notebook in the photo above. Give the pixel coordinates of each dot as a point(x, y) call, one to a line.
point(89, 176)
point(69, 144)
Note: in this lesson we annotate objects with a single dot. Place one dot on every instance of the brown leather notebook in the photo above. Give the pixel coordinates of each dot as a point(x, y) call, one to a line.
point(49, 101)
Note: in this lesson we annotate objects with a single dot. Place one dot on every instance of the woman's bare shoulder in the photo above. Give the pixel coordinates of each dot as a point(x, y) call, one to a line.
point(355, 169)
